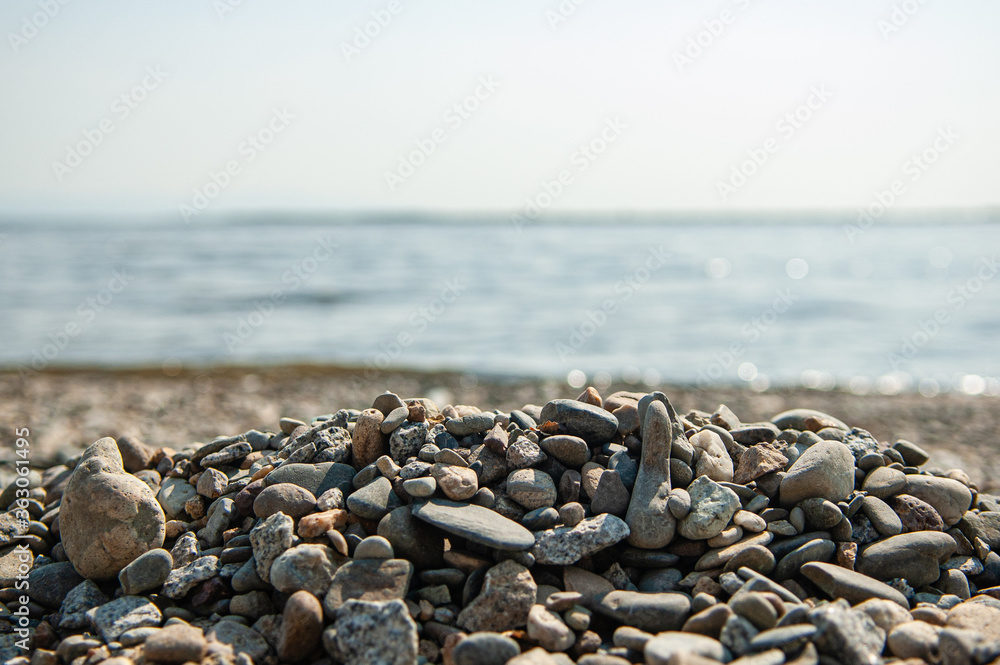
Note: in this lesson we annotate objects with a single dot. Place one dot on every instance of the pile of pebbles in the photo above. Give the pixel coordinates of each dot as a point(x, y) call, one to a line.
point(597, 531)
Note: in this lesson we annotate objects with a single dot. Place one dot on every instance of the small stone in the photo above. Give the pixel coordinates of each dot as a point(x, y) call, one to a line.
point(125, 613)
point(212, 483)
point(149, 571)
point(176, 643)
point(916, 515)
point(181, 580)
point(387, 402)
point(856, 587)
point(286, 498)
point(714, 461)
point(407, 440)
point(913, 455)
point(242, 639)
point(758, 461)
point(885, 613)
point(375, 500)
point(725, 418)
point(813, 550)
point(420, 488)
point(914, 639)
point(413, 539)
point(457, 483)
point(304, 567)
point(824, 470)
point(75, 646)
point(849, 636)
point(367, 441)
point(485, 648)
point(536, 656)
point(883, 518)
point(749, 522)
point(670, 648)
point(884, 482)
point(571, 514)
point(651, 612)
point(81, 599)
point(472, 423)
point(756, 558)
point(540, 519)
point(287, 425)
point(726, 538)
point(507, 596)
point(564, 546)
point(710, 620)
point(475, 523)
point(915, 557)
point(524, 453)
point(548, 630)
point(591, 423)
point(301, 627)
point(394, 419)
point(659, 580)
point(230, 454)
point(134, 453)
point(108, 517)
point(570, 450)
point(611, 495)
point(719, 558)
point(820, 514)
point(269, 539)
point(797, 419)
point(679, 503)
point(374, 580)
point(712, 506)
point(949, 498)
point(252, 605)
point(49, 584)
point(497, 439)
point(531, 488)
point(374, 547)
point(317, 524)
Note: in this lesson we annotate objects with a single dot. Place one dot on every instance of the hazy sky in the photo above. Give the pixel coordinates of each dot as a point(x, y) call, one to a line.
point(670, 118)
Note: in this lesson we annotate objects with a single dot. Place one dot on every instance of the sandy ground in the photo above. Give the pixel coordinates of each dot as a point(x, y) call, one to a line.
point(69, 409)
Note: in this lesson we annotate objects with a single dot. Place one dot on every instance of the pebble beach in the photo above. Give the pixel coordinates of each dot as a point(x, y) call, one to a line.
point(466, 521)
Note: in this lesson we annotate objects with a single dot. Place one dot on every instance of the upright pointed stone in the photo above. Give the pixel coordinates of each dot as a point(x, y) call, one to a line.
point(650, 523)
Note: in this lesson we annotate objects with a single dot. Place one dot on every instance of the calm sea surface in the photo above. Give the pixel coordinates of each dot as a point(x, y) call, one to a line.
point(891, 308)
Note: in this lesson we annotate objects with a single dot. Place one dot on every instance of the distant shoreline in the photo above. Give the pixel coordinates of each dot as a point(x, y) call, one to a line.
point(899, 216)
